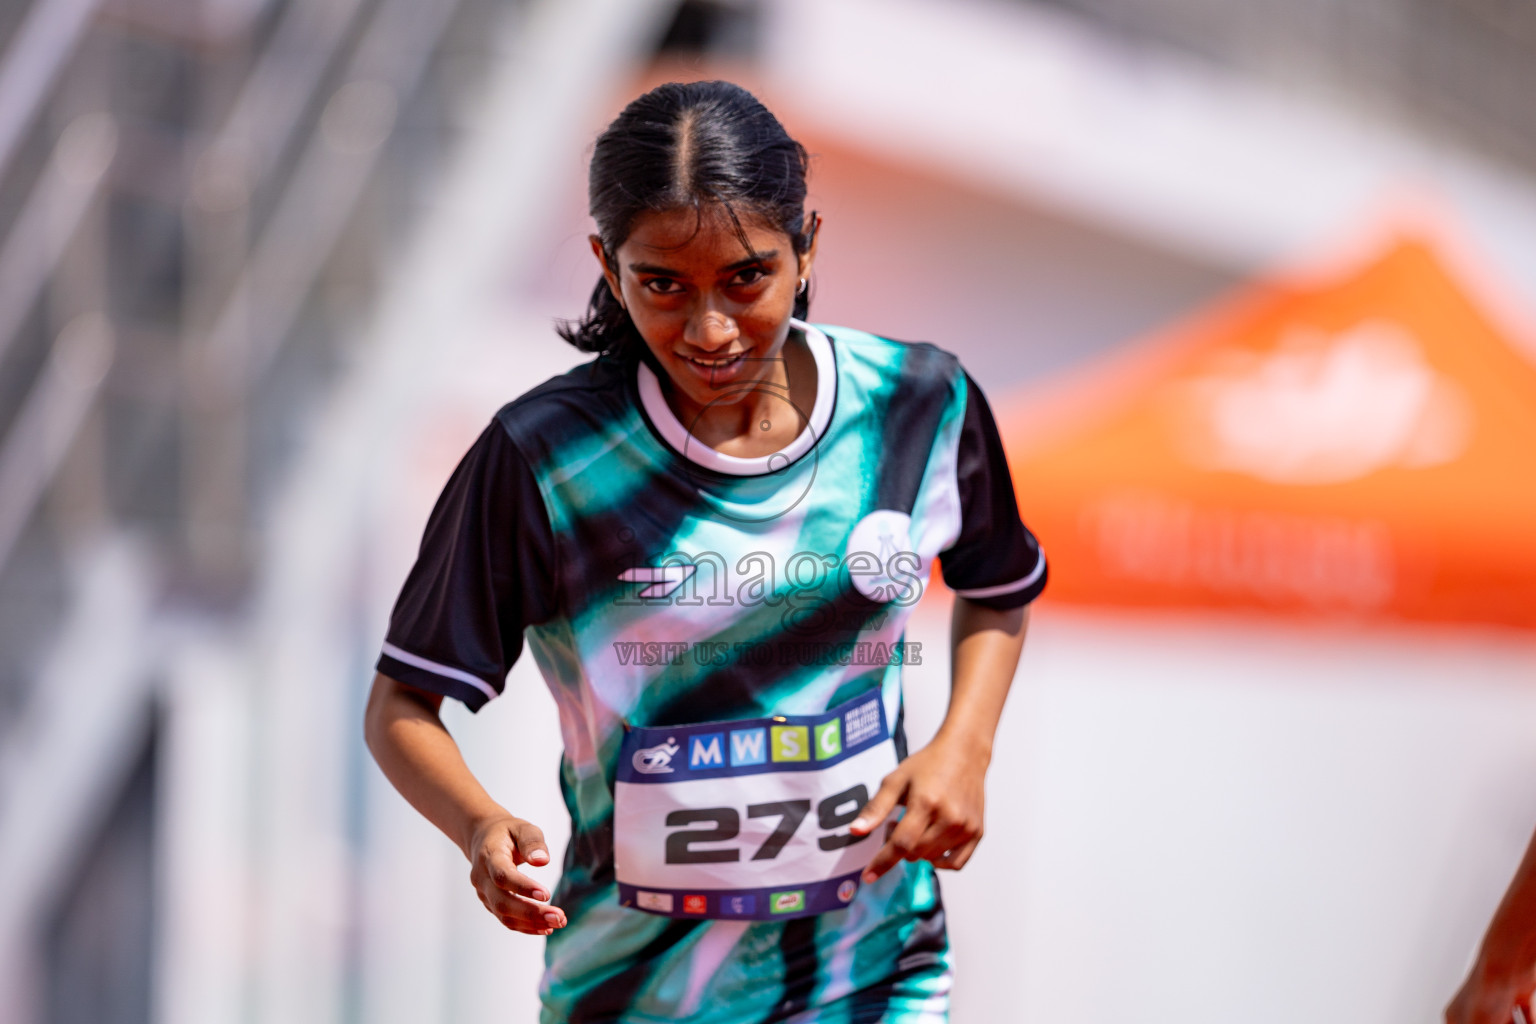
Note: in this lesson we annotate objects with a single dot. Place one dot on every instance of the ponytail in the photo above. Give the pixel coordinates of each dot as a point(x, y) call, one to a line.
point(604, 328)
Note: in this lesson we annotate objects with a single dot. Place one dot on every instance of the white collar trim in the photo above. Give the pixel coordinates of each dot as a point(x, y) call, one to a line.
point(676, 435)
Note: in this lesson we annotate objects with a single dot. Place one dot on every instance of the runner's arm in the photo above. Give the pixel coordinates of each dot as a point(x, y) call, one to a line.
point(422, 761)
point(985, 645)
point(1504, 974)
point(943, 786)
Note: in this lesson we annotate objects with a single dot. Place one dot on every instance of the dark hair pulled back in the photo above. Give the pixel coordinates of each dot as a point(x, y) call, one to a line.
point(685, 145)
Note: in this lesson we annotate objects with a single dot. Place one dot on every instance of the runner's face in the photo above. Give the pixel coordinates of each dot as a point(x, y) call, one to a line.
point(714, 314)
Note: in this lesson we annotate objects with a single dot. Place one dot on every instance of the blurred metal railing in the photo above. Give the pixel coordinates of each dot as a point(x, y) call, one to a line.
point(69, 184)
point(261, 125)
point(265, 197)
point(49, 419)
point(1463, 70)
point(31, 63)
point(230, 357)
point(242, 297)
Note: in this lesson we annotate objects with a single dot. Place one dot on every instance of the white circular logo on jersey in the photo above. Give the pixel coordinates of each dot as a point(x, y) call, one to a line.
point(872, 555)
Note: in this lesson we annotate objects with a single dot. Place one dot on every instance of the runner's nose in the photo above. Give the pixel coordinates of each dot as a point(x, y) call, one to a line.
point(711, 329)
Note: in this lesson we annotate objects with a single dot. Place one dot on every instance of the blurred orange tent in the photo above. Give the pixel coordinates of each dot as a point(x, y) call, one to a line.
point(1363, 445)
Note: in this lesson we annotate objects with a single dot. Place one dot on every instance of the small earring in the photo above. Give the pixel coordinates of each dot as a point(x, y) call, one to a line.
point(803, 285)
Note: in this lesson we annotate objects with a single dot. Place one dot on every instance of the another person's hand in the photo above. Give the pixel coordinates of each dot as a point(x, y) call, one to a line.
point(499, 846)
point(943, 787)
point(1490, 996)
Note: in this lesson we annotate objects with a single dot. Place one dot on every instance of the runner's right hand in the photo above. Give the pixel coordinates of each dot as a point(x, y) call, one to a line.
point(499, 846)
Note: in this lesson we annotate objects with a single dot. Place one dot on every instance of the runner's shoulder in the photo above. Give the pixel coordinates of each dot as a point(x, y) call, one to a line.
point(584, 399)
point(918, 363)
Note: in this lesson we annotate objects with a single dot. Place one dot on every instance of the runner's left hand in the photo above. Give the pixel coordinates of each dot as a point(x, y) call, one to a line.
point(943, 789)
point(1491, 994)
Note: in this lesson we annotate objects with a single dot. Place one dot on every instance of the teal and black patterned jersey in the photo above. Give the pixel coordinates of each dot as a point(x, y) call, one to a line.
point(659, 582)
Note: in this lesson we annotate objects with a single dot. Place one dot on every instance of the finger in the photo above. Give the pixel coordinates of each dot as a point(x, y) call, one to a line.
point(956, 858)
point(507, 878)
point(518, 923)
point(524, 915)
point(935, 841)
point(523, 927)
point(901, 844)
point(528, 839)
point(945, 835)
point(945, 828)
point(884, 859)
point(891, 790)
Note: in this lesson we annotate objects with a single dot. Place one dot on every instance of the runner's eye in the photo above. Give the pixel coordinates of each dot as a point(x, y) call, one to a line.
point(661, 285)
point(749, 276)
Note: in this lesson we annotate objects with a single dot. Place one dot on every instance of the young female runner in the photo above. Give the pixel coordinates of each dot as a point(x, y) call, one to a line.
point(711, 536)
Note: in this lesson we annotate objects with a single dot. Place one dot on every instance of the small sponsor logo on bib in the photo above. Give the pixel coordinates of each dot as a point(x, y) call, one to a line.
point(829, 740)
point(656, 760)
point(739, 905)
point(749, 746)
point(791, 743)
point(861, 723)
point(847, 889)
point(706, 751)
point(660, 902)
point(695, 904)
point(787, 902)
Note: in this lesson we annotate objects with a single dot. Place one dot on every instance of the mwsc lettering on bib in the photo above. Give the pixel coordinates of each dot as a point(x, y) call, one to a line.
point(749, 819)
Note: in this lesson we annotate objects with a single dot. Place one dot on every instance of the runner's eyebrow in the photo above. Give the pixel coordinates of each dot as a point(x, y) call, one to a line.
point(656, 268)
point(762, 257)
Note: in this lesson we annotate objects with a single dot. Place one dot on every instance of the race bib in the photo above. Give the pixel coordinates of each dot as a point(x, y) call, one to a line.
point(749, 819)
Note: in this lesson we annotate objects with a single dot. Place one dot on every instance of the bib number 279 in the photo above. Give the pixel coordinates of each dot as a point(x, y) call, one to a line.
point(832, 814)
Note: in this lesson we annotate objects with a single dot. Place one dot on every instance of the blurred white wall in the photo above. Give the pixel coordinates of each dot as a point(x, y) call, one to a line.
point(1204, 162)
point(1211, 819)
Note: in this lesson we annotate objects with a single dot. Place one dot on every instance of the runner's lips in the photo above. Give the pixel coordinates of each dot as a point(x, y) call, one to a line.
point(716, 371)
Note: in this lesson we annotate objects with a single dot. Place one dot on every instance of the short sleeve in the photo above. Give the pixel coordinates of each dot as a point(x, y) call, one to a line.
point(484, 572)
point(995, 561)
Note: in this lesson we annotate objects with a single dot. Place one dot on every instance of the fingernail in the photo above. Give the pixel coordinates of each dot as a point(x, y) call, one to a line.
point(540, 895)
point(553, 919)
point(869, 876)
point(859, 824)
